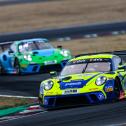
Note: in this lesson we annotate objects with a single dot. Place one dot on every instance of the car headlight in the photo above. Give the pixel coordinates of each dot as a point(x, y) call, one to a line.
point(48, 85)
point(25, 57)
point(65, 53)
point(29, 58)
point(101, 80)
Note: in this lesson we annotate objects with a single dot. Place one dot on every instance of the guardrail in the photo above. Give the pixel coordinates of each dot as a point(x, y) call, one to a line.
point(84, 31)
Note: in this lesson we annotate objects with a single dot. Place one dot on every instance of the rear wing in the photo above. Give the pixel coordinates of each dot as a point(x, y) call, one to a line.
point(121, 52)
point(4, 46)
point(85, 54)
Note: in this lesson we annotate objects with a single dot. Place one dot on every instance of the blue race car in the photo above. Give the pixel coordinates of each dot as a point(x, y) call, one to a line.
point(32, 56)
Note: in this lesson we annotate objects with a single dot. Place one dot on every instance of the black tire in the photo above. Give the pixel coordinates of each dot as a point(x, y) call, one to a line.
point(17, 67)
point(117, 88)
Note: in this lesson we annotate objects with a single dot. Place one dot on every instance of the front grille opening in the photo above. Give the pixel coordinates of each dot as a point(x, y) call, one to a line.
point(48, 68)
point(34, 68)
point(51, 101)
point(94, 97)
point(76, 100)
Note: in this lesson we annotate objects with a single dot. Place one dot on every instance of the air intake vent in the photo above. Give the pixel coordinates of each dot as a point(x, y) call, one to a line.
point(35, 53)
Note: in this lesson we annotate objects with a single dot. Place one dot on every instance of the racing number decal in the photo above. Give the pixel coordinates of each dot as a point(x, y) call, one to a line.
point(71, 91)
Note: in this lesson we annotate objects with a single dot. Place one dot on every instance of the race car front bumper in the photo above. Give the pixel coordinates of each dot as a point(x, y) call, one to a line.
point(37, 68)
point(74, 99)
point(31, 68)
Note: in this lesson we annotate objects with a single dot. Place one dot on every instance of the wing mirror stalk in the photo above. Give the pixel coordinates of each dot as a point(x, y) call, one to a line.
point(60, 47)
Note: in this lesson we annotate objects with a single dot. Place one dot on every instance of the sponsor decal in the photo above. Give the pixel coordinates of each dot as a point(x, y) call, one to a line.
point(73, 83)
point(50, 62)
point(109, 89)
point(49, 93)
point(89, 74)
point(89, 60)
point(23, 65)
point(71, 91)
point(93, 89)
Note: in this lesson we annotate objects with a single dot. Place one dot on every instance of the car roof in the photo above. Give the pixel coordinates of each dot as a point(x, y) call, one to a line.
point(109, 56)
point(31, 40)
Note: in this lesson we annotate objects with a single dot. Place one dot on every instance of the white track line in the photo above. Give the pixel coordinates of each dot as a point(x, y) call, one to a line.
point(15, 118)
point(119, 124)
point(12, 96)
point(5, 43)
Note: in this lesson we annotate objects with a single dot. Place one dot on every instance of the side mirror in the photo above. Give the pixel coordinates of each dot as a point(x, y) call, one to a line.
point(53, 73)
point(59, 47)
point(10, 51)
point(63, 63)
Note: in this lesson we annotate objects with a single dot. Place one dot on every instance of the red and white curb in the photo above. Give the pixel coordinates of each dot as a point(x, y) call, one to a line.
point(31, 109)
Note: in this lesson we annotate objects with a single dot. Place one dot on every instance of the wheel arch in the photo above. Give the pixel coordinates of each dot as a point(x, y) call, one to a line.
point(16, 60)
point(118, 82)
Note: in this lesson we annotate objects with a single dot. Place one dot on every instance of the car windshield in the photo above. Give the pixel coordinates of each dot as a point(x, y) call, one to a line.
point(86, 67)
point(30, 46)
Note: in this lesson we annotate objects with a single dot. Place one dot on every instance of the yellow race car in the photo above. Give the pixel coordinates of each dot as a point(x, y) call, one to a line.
point(86, 80)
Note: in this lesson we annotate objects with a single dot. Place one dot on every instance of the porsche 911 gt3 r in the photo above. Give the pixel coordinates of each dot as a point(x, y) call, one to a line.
point(32, 56)
point(86, 80)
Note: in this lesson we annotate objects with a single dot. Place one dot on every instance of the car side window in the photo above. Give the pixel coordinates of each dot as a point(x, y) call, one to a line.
point(117, 61)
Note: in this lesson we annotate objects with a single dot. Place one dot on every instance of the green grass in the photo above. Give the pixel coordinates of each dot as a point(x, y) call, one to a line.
point(14, 102)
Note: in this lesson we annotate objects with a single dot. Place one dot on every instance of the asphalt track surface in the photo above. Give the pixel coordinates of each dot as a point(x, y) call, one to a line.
point(110, 114)
point(26, 85)
point(95, 115)
point(71, 32)
point(12, 2)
